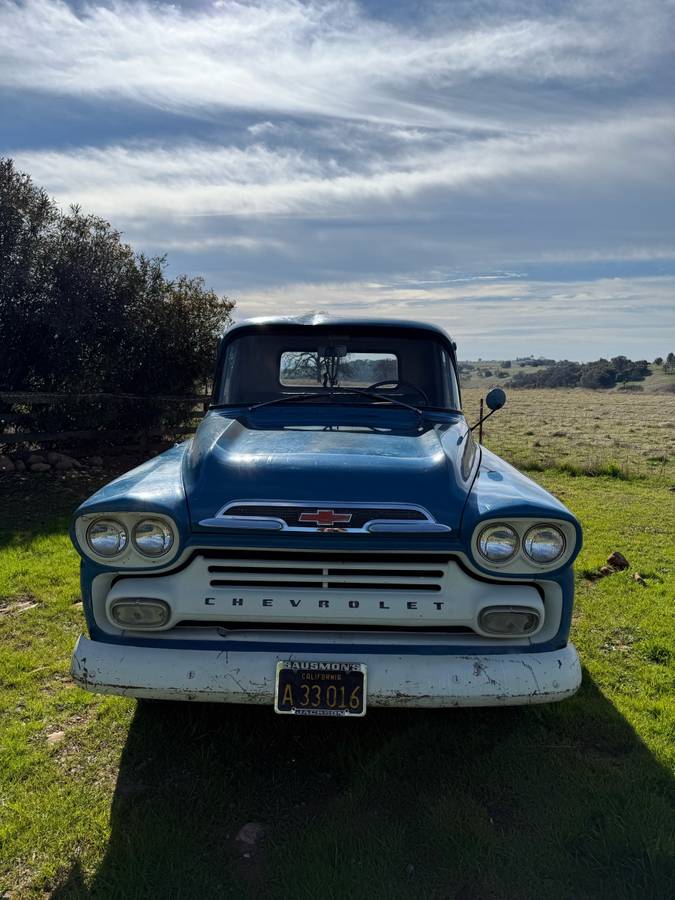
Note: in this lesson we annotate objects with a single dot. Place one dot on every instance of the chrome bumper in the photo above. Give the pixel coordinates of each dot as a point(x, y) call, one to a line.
point(393, 680)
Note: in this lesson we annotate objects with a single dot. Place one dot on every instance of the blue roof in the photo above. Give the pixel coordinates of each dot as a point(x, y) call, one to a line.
point(309, 320)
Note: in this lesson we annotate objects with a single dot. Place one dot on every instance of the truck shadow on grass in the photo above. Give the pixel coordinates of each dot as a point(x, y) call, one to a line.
point(559, 801)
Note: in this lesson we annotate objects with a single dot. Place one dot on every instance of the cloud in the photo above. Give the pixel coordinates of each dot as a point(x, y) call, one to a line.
point(485, 164)
point(202, 179)
point(496, 317)
point(322, 57)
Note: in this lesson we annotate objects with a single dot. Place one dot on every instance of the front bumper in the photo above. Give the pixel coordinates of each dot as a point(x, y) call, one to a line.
point(393, 680)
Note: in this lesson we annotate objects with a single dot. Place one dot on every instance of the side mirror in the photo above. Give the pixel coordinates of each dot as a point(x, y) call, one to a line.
point(496, 398)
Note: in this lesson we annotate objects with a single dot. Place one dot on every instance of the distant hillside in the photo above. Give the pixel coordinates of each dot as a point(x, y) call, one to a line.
point(617, 373)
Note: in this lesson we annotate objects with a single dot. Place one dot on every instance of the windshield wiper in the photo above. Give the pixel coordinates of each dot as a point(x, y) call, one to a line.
point(286, 398)
point(336, 392)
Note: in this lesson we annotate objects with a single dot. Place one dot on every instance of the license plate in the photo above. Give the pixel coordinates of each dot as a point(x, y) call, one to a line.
point(320, 689)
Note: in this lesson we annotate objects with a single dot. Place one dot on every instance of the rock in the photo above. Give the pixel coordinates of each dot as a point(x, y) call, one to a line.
point(62, 461)
point(35, 458)
point(19, 466)
point(6, 464)
point(250, 834)
point(40, 467)
point(55, 737)
point(65, 464)
point(639, 579)
point(95, 461)
point(618, 561)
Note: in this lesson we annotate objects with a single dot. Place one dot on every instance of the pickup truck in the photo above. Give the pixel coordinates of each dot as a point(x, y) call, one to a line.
point(333, 537)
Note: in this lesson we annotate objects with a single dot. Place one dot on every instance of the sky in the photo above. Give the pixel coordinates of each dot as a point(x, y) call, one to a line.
point(503, 169)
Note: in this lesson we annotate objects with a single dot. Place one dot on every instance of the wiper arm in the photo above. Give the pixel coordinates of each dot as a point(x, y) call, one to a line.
point(366, 393)
point(334, 392)
point(288, 397)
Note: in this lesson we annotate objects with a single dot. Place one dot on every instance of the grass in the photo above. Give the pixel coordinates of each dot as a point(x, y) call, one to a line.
point(573, 800)
point(582, 432)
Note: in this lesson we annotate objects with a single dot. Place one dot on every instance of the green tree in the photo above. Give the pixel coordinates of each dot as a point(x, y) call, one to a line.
point(80, 311)
point(28, 221)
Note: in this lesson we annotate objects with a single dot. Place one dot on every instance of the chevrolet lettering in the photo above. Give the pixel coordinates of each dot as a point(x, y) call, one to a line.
point(335, 536)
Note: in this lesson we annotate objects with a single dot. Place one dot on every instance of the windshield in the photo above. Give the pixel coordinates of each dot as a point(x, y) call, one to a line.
point(265, 367)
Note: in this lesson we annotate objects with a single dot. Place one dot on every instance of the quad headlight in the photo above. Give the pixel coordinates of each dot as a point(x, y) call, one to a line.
point(498, 543)
point(524, 545)
point(107, 537)
point(544, 544)
point(127, 539)
point(152, 537)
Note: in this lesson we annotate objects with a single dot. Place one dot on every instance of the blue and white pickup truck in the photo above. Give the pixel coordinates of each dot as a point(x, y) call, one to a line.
point(332, 538)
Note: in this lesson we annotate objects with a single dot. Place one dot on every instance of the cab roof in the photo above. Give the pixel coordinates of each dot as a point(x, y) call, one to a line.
point(312, 320)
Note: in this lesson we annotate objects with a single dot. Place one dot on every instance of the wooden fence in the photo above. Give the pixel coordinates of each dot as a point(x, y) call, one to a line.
point(27, 420)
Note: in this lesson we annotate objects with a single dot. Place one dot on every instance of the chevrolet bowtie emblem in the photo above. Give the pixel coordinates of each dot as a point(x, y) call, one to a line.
point(325, 517)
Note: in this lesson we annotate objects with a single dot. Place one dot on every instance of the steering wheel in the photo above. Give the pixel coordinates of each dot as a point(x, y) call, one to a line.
point(396, 383)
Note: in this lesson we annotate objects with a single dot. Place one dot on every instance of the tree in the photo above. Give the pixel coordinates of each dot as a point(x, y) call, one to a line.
point(80, 311)
point(658, 361)
point(669, 364)
point(598, 374)
point(303, 366)
point(28, 220)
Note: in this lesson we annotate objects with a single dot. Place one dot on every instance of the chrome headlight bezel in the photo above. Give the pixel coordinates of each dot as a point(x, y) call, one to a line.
point(520, 563)
point(495, 526)
point(129, 556)
point(162, 525)
point(122, 536)
point(539, 528)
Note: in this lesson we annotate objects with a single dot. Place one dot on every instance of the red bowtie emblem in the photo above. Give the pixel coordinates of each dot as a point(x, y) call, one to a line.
point(323, 517)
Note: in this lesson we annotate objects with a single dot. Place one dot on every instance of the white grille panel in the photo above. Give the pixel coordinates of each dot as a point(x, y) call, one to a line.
point(333, 576)
point(303, 590)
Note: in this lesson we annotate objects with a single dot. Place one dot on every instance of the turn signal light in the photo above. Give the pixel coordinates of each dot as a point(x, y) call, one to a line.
point(138, 613)
point(513, 621)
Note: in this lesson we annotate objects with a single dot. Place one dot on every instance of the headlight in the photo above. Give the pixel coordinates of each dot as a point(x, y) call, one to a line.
point(544, 544)
point(152, 537)
point(498, 543)
point(107, 537)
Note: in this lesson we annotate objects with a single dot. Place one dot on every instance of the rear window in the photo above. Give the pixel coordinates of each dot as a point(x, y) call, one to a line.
point(326, 366)
point(303, 368)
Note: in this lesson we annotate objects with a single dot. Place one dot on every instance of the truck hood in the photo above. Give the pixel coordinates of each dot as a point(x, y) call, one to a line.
point(254, 458)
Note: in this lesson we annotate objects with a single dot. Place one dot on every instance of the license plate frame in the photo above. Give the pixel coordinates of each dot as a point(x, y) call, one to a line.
point(302, 688)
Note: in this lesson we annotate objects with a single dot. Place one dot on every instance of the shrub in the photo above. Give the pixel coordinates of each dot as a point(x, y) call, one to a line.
point(81, 312)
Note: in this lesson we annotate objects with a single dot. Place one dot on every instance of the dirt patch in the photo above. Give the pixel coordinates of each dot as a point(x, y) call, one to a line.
point(10, 606)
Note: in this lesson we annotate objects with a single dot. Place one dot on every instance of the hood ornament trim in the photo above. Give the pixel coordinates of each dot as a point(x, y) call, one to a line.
point(326, 517)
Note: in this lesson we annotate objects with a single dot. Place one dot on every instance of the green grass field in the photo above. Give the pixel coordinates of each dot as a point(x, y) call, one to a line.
point(569, 801)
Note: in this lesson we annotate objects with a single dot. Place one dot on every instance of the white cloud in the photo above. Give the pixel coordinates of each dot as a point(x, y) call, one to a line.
point(359, 159)
point(583, 319)
point(153, 181)
point(320, 57)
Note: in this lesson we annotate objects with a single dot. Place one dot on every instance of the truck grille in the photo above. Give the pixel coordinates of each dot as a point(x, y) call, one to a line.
point(329, 591)
point(299, 574)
